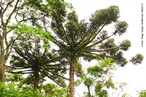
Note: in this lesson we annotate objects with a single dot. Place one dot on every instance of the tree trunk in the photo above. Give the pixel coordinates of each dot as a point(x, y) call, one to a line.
point(71, 85)
point(89, 94)
point(2, 60)
point(2, 73)
point(36, 80)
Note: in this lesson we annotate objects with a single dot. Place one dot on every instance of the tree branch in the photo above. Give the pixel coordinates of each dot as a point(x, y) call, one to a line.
point(7, 6)
point(1, 8)
point(10, 46)
point(14, 9)
point(101, 40)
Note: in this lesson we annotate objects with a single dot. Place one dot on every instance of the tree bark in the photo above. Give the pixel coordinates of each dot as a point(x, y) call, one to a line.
point(71, 85)
point(2, 60)
point(36, 80)
point(89, 94)
point(2, 73)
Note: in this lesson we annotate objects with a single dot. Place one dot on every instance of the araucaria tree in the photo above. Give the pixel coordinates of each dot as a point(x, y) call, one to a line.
point(30, 57)
point(78, 38)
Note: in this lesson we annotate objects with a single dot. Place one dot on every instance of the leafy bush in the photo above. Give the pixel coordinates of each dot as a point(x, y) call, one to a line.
point(50, 90)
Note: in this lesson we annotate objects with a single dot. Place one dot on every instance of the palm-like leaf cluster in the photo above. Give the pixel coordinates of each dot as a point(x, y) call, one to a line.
point(31, 58)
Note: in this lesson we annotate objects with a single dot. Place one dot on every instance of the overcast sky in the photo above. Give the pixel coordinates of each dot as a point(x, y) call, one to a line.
point(130, 11)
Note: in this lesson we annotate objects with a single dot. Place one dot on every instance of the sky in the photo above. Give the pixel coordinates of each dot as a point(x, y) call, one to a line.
point(130, 11)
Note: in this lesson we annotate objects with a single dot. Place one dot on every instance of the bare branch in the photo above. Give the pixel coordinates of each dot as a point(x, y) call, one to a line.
point(14, 9)
point(1, 14)
point(1, 8)
point(7, 6)
point(10, 46)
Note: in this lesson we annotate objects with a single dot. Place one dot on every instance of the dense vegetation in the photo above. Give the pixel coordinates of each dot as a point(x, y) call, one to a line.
point(45, 39)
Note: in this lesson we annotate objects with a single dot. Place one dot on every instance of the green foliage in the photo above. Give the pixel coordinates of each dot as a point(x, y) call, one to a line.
point(50, 90)
point(99, 78)
point(126, 95)
point(24, 28)
point(101, 68)
point(142, 93)
point(105, 16)
point(125, 45)
point(32, 93)
point(109, 83)
point(99, 91)
point(107, 62)
point(120, 59)
point(94, 70)
point(102, 86)
point(137, 59)
point(121, 27)
point(54, 90)
point(111, 50)
point(9, 90)
point(13, 77)
point(12, 88)
point(108, 44)
point(78, 69)
point(88, 81)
